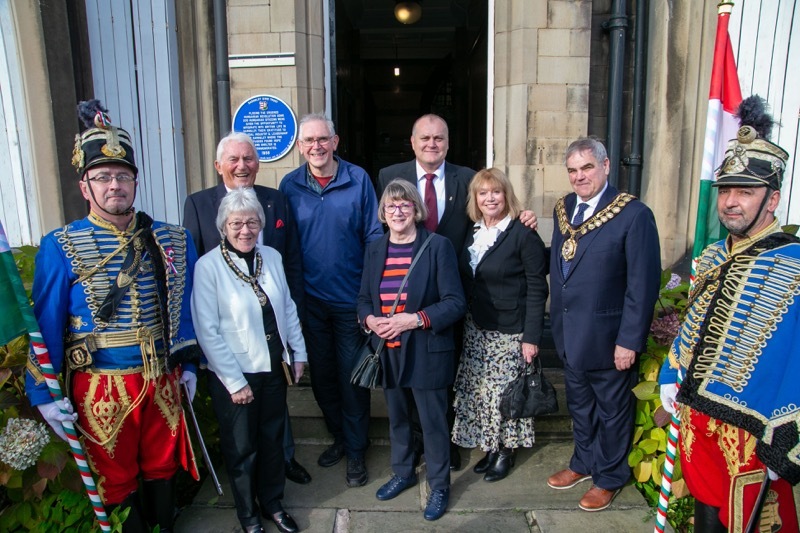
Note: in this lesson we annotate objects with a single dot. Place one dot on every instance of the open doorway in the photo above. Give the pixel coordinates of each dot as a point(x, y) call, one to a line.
point(387, 74)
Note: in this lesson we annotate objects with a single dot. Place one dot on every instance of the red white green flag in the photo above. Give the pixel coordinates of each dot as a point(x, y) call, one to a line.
point(12, 322)
point(721, 126)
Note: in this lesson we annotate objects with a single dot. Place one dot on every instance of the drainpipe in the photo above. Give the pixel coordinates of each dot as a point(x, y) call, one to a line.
point(634, 160)
point(616, 27)
point(223, 74)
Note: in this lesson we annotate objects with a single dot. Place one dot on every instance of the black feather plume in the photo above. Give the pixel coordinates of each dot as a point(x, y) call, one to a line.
point(753, 112)
point(88, 109)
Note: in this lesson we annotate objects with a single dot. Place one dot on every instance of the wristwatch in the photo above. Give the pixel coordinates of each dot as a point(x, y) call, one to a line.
point(420, 323)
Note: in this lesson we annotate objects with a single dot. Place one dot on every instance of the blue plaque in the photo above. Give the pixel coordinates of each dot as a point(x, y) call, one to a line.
point(270, 122)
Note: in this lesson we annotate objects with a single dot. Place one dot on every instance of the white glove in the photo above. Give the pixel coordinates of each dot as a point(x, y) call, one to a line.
point(773, 476)
point(190, 379)
point(51, 412)
point(668, 395)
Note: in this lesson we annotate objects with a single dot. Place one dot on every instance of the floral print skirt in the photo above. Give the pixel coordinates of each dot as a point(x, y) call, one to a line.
point(490, 361)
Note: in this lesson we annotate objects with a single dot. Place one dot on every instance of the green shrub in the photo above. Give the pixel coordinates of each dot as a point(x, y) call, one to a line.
point(652, 421)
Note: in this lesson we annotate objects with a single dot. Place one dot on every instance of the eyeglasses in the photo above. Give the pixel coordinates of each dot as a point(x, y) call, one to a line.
point(105, 179)
point(236, 225)
point(311, 142)
point(405, 208)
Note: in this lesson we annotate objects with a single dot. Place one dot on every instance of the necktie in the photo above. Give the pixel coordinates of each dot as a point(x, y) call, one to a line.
point(432, 222)
point(577, 221)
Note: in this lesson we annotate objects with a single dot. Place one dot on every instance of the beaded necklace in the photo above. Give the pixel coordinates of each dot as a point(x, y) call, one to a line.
point(252, 280)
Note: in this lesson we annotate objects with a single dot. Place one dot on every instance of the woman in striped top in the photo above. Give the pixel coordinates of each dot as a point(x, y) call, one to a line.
point(418, 356)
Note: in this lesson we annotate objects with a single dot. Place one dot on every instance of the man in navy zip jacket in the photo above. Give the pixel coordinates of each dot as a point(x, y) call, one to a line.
point(336, 212)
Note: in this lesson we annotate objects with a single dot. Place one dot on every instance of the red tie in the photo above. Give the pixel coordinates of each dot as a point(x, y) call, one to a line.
point(432, 222)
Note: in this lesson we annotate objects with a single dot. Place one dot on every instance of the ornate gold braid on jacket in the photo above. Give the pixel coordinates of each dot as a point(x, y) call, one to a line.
point(771, 283)
point(173, 236)
point(83, 248)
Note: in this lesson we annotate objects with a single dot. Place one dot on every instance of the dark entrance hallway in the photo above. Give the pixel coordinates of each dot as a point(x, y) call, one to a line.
point(442, 69)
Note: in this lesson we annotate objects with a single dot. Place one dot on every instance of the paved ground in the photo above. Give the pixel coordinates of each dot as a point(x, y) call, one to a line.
point(520, 503)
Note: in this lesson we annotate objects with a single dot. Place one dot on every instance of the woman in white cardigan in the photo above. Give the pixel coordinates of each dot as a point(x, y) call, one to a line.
point(247, 326)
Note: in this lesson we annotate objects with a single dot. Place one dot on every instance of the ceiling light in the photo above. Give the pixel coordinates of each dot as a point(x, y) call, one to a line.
point(407, 12)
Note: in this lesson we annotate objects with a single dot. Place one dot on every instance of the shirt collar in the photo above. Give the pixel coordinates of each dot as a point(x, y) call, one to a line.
point(421, 172)
point(592, 202)
point(500, 226)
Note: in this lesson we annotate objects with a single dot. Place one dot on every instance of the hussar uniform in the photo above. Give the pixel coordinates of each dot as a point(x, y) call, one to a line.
point(739, 353)
point(114, 310)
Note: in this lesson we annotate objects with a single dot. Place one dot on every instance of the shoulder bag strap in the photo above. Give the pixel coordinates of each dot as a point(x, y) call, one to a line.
point(403, 283)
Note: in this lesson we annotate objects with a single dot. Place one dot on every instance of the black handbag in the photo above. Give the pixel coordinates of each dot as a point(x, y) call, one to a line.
point(368, 373)
point(530, 394)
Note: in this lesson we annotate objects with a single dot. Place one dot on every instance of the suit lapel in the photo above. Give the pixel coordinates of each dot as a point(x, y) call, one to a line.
point(269, 217)
point(414, 298)
point(379, 260)
point(450, 192)
point(500, 238)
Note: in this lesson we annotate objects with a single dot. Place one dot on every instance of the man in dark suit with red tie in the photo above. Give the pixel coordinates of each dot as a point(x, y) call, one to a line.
point(237, 164)
point(605, 273)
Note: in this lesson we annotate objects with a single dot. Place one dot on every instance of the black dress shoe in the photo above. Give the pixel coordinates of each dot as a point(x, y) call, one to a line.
point(502, 464)
point(483, 465)
point(257, 528)
point(332, 455)
point(284, 522)
point(295, 472)
point(455, 458)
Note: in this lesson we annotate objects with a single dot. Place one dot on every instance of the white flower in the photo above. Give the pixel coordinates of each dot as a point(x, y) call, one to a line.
point(21, 442)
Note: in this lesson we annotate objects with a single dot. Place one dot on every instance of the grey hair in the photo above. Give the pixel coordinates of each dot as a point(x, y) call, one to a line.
point(400, 189)
point(235, 136)
point(239, 200)
point(313, 117)
point(587, 143)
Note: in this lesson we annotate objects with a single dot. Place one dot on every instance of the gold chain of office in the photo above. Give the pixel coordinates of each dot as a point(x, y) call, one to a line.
point(251, 280)
point(572, 235)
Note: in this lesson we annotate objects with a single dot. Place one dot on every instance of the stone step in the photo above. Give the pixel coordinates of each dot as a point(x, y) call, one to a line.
point(521, 503)
point(308, 425)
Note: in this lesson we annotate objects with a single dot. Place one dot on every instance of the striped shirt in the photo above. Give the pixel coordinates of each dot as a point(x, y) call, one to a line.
point(398, 259)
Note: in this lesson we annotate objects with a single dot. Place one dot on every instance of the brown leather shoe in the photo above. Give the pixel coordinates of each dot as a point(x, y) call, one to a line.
point(597, 499)
point(566, 479)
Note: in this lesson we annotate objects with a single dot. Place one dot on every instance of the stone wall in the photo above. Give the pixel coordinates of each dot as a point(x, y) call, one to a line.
point(285, 26)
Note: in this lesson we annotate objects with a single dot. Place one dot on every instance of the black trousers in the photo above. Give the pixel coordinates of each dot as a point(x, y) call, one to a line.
point(602, 406)
point(431, 404)
point(251, 437)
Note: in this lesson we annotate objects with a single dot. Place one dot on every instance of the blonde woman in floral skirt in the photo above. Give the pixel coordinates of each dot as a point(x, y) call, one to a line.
point(503, 267)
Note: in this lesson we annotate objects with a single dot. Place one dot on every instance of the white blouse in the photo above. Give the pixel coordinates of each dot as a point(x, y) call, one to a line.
point(485, 239)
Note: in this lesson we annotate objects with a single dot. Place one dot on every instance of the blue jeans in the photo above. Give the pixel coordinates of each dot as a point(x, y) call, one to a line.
point(334, 342)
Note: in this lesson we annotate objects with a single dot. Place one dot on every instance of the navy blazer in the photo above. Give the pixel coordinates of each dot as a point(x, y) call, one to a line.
point(279, 232)
point(425, 359)
point(454, 223)
point(508, 290)
point(608, 296)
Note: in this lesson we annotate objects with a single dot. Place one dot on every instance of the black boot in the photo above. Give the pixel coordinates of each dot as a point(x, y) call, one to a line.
point(706, 519)
point(483, 465)
point(502, 464)
point(159, 503)
point(135, 522)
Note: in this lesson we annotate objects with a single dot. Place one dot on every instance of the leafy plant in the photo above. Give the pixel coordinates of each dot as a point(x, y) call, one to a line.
point(651, 425)
point(48, 495)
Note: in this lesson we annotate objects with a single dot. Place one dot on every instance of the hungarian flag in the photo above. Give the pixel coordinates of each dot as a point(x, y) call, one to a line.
point(12, 295)
point(721, 126)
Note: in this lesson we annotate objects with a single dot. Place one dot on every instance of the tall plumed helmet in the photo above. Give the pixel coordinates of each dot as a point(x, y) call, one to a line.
point(751, 160)
point(102, 142)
